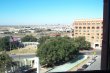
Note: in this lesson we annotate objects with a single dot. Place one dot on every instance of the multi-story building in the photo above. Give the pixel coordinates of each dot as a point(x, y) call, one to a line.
point(91, 29)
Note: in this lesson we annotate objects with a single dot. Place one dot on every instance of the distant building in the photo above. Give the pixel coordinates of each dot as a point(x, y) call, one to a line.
point(14, 30)
point(14, 39)
point(54, 34)
point(91, 29)
point(67, 34)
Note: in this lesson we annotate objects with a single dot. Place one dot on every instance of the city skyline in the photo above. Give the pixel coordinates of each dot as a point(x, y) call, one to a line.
point(15, 12)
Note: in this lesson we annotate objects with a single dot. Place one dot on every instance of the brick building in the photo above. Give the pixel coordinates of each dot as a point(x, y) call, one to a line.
point(91, 29)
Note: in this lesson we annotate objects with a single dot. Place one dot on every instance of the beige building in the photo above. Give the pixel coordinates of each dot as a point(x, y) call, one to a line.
point(91, 29)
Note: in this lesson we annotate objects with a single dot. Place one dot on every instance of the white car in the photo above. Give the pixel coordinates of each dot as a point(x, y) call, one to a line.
point(89, 63)
point(92, 61)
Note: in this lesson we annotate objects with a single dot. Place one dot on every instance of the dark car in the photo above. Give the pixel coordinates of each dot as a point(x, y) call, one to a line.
point(95, 56)
point(80, 69)
point(85, 66)
point(94, 59)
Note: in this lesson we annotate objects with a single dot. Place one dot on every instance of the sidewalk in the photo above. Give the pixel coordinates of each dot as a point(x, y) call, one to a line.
point(81, 64)
point(69, 65)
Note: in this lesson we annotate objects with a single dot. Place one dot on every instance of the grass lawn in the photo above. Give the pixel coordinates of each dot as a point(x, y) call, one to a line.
point(25, 50)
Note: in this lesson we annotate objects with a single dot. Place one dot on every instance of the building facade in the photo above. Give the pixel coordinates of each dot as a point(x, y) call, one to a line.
point(91, 29)
point(23, 61)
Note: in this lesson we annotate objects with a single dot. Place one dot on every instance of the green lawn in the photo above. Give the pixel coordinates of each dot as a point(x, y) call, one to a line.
point(26, 50)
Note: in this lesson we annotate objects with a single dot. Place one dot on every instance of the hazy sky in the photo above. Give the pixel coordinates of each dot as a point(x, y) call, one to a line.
point(48, 11)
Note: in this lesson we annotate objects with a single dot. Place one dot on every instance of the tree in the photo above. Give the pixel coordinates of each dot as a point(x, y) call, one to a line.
point(5, 62)
point(48, 29)
point(42, 40)
point(6, 44)
point(29, 38)
point(82, 43)
point(56, 50)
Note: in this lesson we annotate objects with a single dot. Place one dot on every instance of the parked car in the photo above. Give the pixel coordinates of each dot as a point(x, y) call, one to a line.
point(95, 56)
point(80, 69)
point(85, 66)
point(92, 61)
point(89, 63)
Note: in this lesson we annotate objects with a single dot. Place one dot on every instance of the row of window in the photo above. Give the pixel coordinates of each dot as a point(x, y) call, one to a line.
point(94, 40)
point(88, 33)
point(88, 23)
point(96, 37)
point(89, 27)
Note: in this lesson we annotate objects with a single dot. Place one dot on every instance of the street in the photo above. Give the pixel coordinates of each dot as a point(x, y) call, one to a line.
point(96, 65)
point(90, 52)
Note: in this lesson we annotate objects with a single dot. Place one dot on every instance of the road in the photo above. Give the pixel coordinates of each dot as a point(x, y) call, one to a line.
point(90, 52)
point(96, 65)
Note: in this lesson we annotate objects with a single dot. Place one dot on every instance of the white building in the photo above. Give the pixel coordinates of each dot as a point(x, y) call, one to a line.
point(24, 60)
point(35, 44)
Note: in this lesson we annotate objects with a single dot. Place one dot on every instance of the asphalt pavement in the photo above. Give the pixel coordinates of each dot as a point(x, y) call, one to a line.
point(96, 65)
point(90, 52)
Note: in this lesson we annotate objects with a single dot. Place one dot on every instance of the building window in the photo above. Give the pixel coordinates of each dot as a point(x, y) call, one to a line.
point(80, 27)
point(97, 30)
point(97, 37)
point(93, 23)
point(76, 33)
point(88, 23)
point(84, 27)
point(97, 33)
point(84, 30)
point(76, 24)
point(97, 27)
point(80, 24)
point(92, 37)
point(76, 27)
point(72, 34)
point(98, 23)
point(79, 30)
point(83, 33)
point(88, 27)
point(96, 40)
point(93, 27)
point(76, 30)
point(84, 23)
